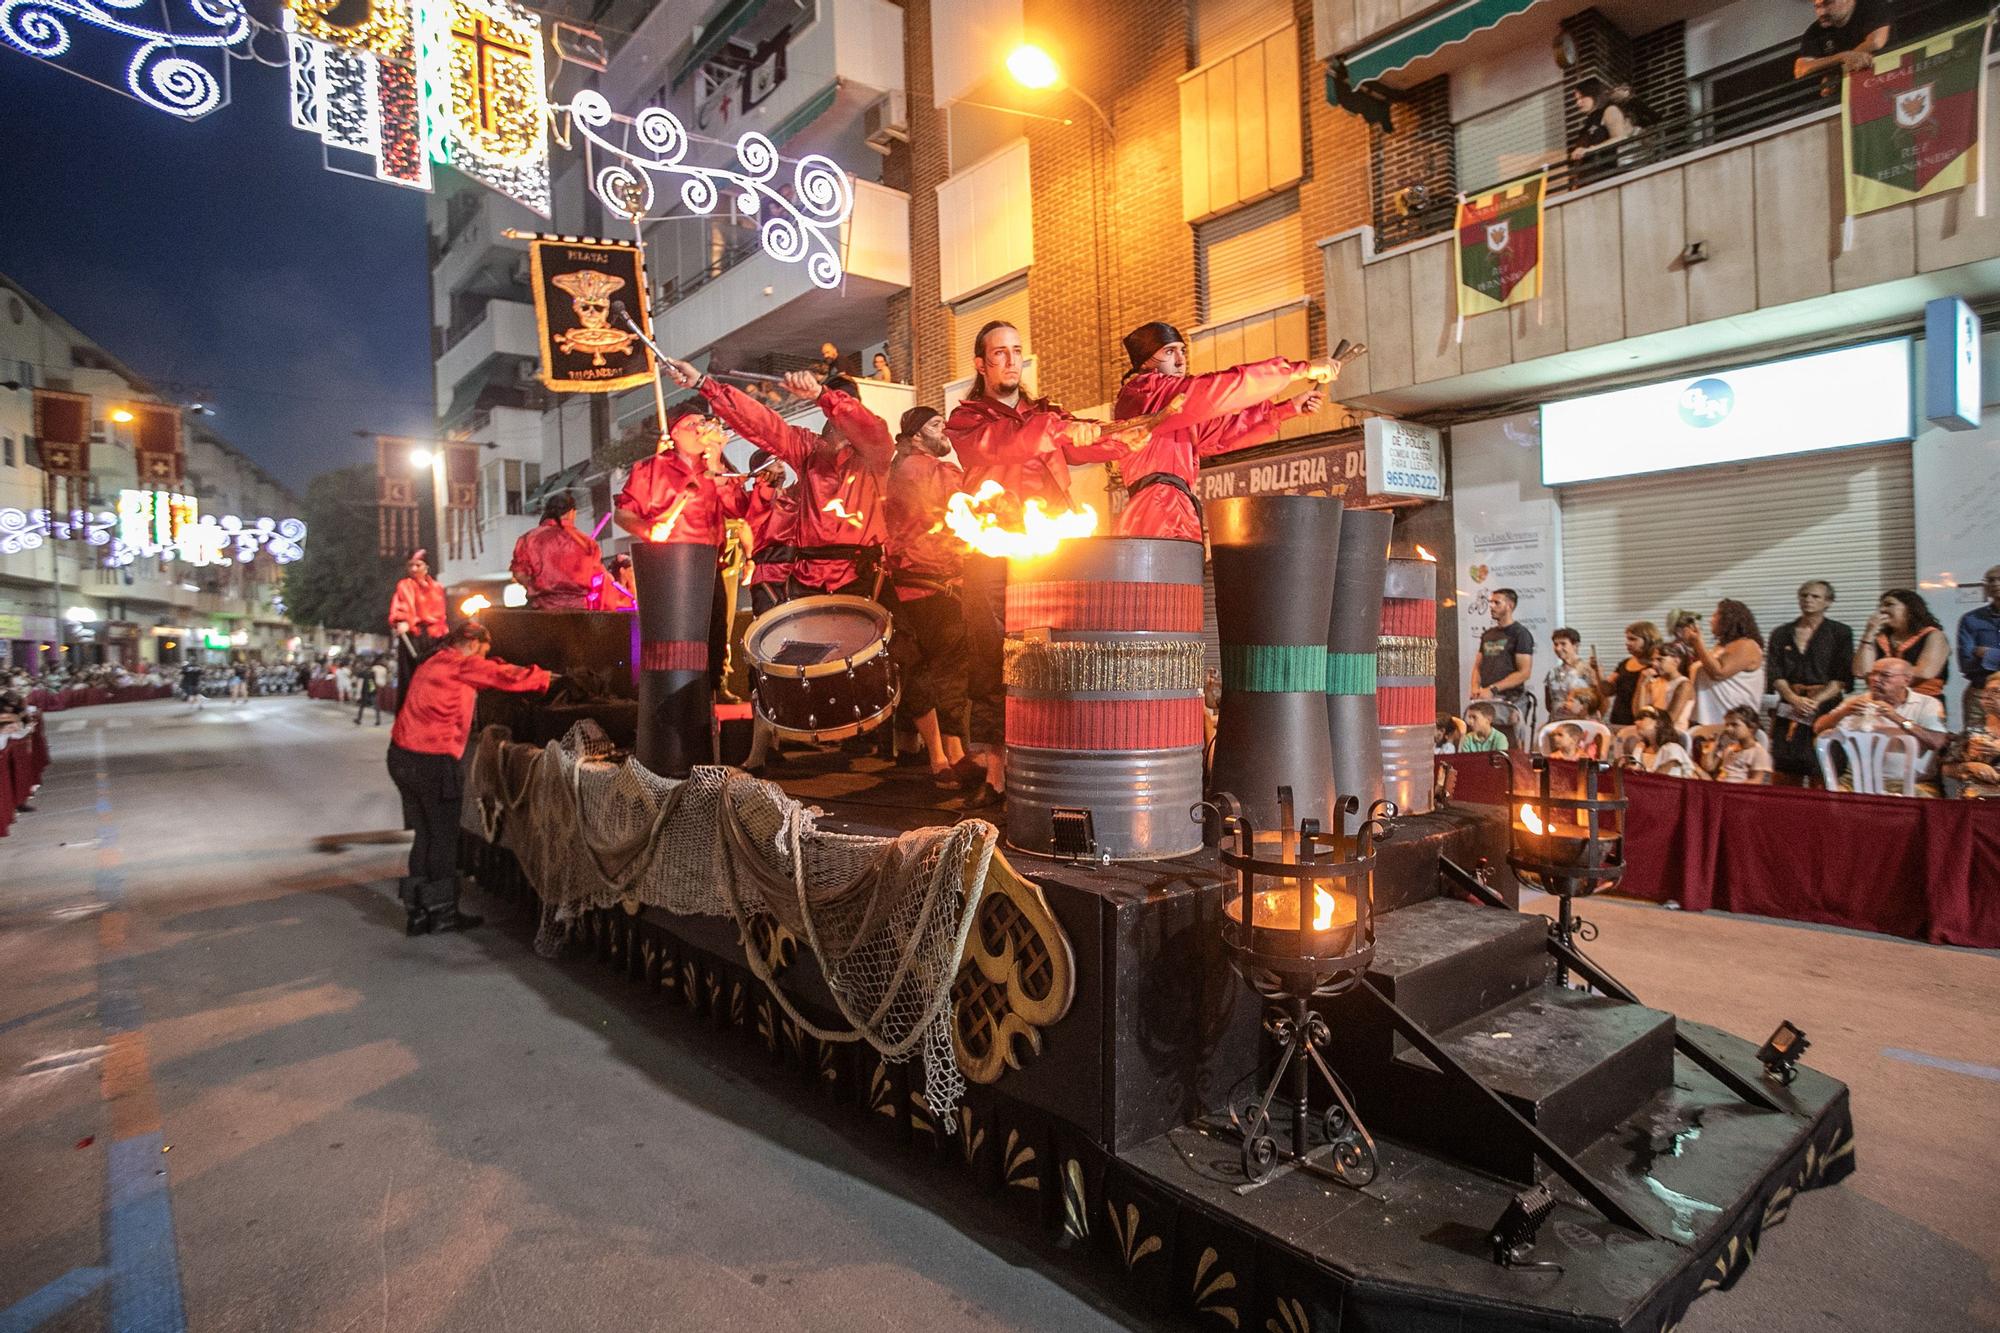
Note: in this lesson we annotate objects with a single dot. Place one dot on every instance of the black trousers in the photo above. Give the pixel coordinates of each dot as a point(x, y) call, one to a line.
point(406, 661)
point(985, 602)
point(432, 794)
point(368, 697)
point(930, 653)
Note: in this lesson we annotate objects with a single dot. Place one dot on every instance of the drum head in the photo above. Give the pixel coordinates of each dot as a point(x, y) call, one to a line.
point(811, 636)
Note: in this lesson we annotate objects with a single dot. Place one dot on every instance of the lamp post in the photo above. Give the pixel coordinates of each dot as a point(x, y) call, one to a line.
point(1035, 69)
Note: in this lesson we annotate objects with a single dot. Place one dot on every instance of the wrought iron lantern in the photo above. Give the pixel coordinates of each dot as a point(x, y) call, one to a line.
point(1569, 845)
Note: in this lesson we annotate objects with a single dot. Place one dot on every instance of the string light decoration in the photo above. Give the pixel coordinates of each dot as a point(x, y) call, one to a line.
point(180, 66)
point(156, 525)
point(792, 230)
point(494, 111)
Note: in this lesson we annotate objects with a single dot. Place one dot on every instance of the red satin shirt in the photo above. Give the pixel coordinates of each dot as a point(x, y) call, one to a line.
point(556, 564)
point(421, 604)
point(656, 482)
point(1225, 410)
point(435, 714)
point(920, 545)
point(1025, 448)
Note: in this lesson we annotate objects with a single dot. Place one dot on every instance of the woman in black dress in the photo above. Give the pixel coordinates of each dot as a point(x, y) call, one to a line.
point(1642, 644)
point(1808, 660)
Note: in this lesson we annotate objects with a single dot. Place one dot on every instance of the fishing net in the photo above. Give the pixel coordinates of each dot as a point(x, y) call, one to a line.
point(886, 918)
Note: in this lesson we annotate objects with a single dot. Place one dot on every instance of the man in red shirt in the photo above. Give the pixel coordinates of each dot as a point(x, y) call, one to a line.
point(425, 749)
point(1224, 410)
point(416, 615)
point(554, 562)
point(1027, 445)
point(772, 512)
point(924, 561)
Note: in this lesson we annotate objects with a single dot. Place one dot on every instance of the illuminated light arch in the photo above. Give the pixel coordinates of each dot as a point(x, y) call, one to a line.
point(180, 67)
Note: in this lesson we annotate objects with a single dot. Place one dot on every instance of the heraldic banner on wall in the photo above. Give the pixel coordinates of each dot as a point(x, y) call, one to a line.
point(585, 348)
point(1910, 126)
point(1498, 252)
point(62, 433)
point(395, 496)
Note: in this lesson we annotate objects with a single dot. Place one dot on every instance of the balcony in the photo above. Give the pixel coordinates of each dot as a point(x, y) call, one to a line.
point(1619, 295)
point(507, 328)
point(756, 304)
point(479, 239)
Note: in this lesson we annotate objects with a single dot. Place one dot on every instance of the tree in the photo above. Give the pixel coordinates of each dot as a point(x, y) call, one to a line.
point(343, 582)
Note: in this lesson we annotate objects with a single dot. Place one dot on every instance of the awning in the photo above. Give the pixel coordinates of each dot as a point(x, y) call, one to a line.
point(1427, 36)
point(724, 22)
point(463, 401)
point(815, 107)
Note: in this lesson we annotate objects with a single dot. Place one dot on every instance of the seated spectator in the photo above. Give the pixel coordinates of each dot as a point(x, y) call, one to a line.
point(1481, 736)
point(1665, 687)
point(1844, 37)
point(1889, 704)
point(1731, 673)
point(1655, 745)
point(1811, 667)
point(1642, 641)
point(1569, 689)
point(1739, 754)
point(1971, 761)
point(1565, 742)
point(1979, 646)
point(1449, 732)
point(1904, 627)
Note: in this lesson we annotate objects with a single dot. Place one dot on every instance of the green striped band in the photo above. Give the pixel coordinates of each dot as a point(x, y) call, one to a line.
point(1350, 673)
point(1274, 668)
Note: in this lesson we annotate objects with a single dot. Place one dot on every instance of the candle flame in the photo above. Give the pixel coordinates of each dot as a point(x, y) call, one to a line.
point(473, 605)
point(1279, 909)
point(977, 521)
point(663, 529)
point(1423, 554)
point(1530, 821)
point(839, 510)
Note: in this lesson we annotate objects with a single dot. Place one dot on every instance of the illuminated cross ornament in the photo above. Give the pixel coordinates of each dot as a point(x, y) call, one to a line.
point(172, 55)
point(805, 228)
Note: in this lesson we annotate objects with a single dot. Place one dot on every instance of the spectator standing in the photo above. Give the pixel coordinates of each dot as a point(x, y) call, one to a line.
point(1506, 654)
point(370, 687)
point(1971, 761)
point(239, 684)
point(1739, 754)
point(1890, 704)
point(1811, 667)
point(1730, 674)
point(1844, 37)
point(1665, 687)
point(880, 369)
point(1642, 644)
point(1979, 647)
point(1569, 689)
point(1904, 627)
point(1481, 737)
point(343, 681)
point(191, 682)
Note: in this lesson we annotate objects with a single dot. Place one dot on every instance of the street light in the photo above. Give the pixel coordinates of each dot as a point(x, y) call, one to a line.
point(421, 459)
point(122, 415)
point(1035, 69)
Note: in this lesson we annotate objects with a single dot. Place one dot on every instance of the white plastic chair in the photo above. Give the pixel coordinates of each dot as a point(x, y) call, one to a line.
point(1865, 751)
point(1590, 726)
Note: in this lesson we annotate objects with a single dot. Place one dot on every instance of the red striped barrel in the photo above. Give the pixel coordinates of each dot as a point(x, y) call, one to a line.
point(676, 588)
point(1406, 682)
point(1104, 712)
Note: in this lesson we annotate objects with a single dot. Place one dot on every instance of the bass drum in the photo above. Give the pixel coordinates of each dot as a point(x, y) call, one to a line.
point(820, 668)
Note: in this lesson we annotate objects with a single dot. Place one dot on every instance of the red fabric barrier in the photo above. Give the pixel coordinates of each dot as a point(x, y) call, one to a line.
point(1922, 869)
point(46, 700)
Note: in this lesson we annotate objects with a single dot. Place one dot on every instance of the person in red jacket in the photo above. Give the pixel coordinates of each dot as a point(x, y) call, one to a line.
point(416, 616)
point(1027, 445)
point(924, 561)
point(772, 512)
point(426, 747)
point(1224, 410)
point(555, 563)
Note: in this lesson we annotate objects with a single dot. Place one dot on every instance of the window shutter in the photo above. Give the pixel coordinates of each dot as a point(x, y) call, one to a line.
point(1224, 27)
point(1241, 126)
point(1250, 260)
point(1008, 302)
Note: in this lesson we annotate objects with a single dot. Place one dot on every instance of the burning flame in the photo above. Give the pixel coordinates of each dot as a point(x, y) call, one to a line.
point(977, 521)
point(663, 529)
point(839, 510)
point(1529, 820)
point(1279, 909)
point(473, 605)
point(1422, 554)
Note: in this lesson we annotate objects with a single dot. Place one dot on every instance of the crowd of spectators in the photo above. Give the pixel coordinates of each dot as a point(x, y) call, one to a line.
point(1717, 699)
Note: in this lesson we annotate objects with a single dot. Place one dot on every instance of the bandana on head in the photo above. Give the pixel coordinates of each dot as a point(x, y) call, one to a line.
point(1142, 342)
point(420, 554)
point(915, 420)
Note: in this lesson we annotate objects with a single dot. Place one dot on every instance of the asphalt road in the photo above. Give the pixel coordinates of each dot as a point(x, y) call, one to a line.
point(234, 1096)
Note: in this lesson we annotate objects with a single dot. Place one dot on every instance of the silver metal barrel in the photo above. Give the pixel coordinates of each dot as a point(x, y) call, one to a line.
point(1406, 683)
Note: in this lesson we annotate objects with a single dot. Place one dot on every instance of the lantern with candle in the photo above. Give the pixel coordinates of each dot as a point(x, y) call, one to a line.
point(1571, 845)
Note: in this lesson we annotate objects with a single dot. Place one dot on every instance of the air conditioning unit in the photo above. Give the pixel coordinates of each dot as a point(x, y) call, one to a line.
point(887, 121)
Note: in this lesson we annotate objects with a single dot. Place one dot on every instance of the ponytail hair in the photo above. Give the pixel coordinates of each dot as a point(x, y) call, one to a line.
point(978, 389)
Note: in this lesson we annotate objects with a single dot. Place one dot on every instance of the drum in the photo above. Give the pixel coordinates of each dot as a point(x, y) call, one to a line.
point(820, 668)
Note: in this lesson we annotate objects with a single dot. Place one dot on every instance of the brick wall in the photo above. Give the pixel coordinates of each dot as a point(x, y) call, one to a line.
point(1415, 161)
point(927, 361)
point(1334, 197)
point(1659, 72)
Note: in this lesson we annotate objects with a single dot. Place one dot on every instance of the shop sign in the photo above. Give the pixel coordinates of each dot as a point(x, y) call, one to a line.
point(1823, 400)
point(1403, 458)
point(11, 627)
point(1951, 364)
point(28, 627)
point(121, 631)
point(211, 639)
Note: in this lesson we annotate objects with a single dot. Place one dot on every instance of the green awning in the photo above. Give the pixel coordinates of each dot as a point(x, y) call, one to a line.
point(463, 401)
point(815, 107)
point(1427, 36)
point(724, 22)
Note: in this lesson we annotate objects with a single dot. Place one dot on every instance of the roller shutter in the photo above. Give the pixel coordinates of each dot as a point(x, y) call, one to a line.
point(1641, 548)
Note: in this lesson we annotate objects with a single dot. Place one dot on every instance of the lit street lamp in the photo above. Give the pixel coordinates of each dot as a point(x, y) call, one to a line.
point(1035, 69)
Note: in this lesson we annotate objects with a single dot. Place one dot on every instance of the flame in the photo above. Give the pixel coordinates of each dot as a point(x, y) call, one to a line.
point(1422, 554)
point(473, 605)
point(976, 520)
point(663, 529)
point(1529, 820)
point(839, 510)
point(1279, 909)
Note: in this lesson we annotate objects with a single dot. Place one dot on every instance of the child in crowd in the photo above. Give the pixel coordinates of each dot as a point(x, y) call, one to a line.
point(1449, 732)
point(1566, 742)
point(1739, 753)
point(1480, 735)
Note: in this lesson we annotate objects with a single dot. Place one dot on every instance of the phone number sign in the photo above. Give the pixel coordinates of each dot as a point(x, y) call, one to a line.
point(1403, 458)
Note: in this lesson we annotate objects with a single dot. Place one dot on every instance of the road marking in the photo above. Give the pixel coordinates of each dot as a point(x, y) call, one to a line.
point(33, 1311)
point(1939, 1062)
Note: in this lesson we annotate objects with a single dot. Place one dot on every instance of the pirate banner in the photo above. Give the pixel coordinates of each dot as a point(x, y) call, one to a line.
point(156, 447)
point(579, 288)
point(461, 506)
point(1499, 250)
point(395, 496)
point(62, 433)
point(1910, 125)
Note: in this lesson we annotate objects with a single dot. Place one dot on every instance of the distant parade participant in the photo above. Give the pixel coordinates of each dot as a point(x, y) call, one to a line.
point(556, 564)
point(416, 614)
point(1220, 411)
point(683, 491)
point(1026, 445)
point(772, 513)
point(425, 749)
point(925, 562)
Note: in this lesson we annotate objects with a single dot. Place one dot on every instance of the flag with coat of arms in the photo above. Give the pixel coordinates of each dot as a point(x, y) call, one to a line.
point(1498, 251)
point(1910, 124)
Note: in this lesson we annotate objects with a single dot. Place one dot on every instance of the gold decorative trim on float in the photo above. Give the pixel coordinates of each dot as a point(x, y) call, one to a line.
point(1018, 976)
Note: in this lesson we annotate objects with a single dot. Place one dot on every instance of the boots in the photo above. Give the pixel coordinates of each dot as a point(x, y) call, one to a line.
point(440, 902)
point(417, 918)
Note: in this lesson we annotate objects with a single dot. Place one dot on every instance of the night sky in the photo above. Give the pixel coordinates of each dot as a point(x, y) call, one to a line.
point(222, 254)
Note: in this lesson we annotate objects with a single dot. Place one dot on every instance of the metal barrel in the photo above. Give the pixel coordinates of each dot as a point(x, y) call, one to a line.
point(1406, 683)
point(675, 583)
point(1275, 563)
point(1351, 634)
point(1104, 674)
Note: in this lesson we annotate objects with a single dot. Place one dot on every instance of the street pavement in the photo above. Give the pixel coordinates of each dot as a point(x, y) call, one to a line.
point(234, 1096)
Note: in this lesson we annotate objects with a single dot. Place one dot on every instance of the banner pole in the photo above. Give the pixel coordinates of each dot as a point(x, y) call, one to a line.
point(646, 313)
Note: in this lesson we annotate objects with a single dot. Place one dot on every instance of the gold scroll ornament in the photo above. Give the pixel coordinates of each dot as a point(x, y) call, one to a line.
point(1017, 977)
